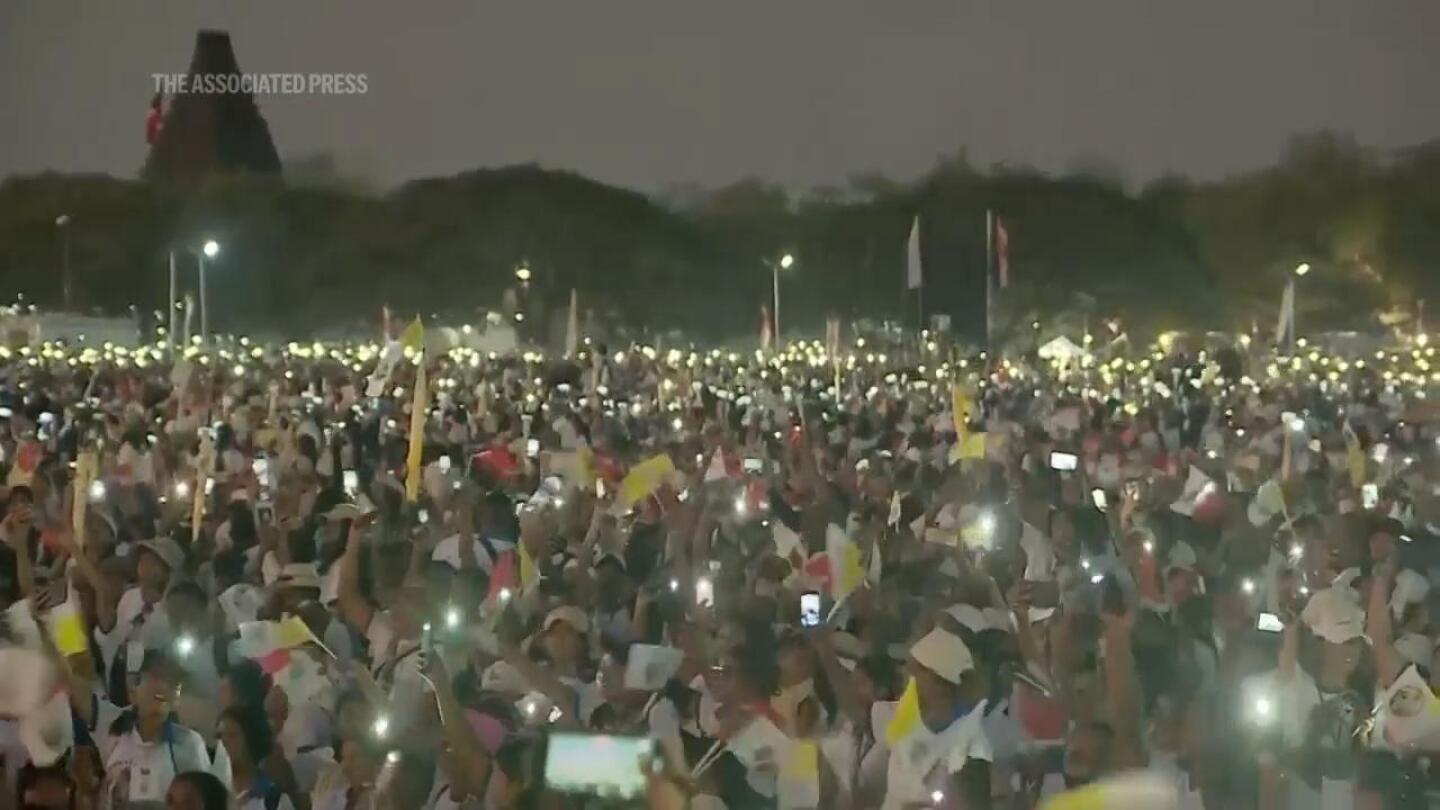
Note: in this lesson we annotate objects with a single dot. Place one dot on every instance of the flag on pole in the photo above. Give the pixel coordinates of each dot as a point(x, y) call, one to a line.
point(847, 570)
point(572, 326)
point(832, 336)
point(1285, 324)
point(1002, 254)
point(913, 274)
point(418, 407)
point(907, 715)
point(87, 465)
point(529, 571)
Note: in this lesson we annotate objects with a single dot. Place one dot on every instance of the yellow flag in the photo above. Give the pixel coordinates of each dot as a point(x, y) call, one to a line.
point(847, 567)
point(86, 466)
point(528, 572)
point(1134, 790)
point(414, 335)
point(1354, 457)
point(418, 406)
point(907, 716)
point(643, 479)
point(586, 462)
point(292, 632)
point(962, 407)
point(803, 761)
point(67, 628)
point(970, 446)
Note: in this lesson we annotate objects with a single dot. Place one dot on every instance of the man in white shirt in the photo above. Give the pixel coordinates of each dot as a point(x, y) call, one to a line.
point(939, 753)
point(141, 748)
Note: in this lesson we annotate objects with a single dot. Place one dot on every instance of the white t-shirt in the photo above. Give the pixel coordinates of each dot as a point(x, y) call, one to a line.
point(395, 664)
point(922, 762)
point(134, 621)
point(137, 772)
point(256, 801)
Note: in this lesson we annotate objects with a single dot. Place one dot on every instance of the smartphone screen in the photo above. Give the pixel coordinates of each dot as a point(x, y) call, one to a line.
point(599, 765)
point(445, 464)
point(532, 448)
point(1098, 497)
point(753, 465)
point(1269, 623)
point(704, 592)
point(1064, 462)
point(810, 609)
point(1370, 496)
point(351, 480)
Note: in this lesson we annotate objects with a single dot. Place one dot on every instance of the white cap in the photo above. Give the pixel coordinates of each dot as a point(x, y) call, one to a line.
point(1334, 615)
point(944, 654)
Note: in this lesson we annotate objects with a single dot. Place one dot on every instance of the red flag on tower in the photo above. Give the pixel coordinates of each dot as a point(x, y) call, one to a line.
point(155, 119)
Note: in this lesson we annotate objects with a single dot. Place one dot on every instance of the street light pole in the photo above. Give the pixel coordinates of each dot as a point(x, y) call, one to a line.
point(1300, 271)
point(775, 267)
point(207, 251)
point(66, 287)
point(775, 305)
point(204, 304)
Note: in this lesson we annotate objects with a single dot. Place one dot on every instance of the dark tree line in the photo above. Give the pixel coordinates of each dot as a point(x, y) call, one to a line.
point(1176, 254)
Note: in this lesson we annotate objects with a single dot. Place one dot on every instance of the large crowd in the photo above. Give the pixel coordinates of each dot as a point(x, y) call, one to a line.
point(342, 577)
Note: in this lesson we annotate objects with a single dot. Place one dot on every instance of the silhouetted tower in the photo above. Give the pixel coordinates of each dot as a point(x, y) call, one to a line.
point(211, 133)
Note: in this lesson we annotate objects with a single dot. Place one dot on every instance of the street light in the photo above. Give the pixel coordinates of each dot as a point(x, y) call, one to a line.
point(62, 222)
point(785, 263)
point(209, 250)
point(1300, 271)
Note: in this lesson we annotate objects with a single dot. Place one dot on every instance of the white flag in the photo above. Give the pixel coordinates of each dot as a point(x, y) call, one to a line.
point(912, 257)
point(572, 326)
point(1286, 323)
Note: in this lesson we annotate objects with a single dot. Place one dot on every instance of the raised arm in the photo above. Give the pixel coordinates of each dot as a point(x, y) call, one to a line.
point(1122, 690)
point(355, 609)
point(458, 734)
point(542, 680)
point(851, 703)
point(1388, 663)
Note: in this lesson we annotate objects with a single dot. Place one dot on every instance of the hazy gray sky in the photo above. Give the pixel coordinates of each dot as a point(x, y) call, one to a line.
point(649, 93)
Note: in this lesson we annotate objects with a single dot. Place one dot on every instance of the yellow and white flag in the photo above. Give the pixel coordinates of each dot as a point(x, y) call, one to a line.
point(847, 568)
point(87, 465)
point(418, 407)
point(907, 716)
point(1137, 790)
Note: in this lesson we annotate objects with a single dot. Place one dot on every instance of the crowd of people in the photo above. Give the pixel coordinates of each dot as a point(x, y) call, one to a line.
point(385, 577)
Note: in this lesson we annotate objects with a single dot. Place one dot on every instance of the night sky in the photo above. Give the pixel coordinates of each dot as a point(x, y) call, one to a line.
point(653, 93)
